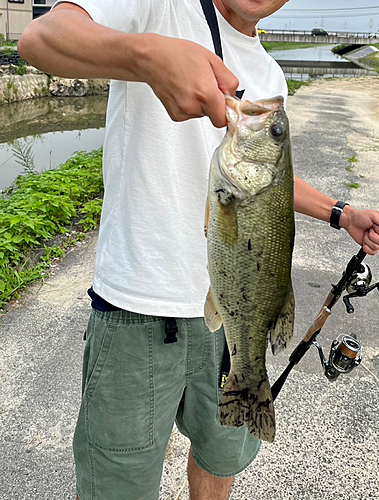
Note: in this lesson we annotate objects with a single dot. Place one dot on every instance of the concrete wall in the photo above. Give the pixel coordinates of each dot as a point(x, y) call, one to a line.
point(17, 88)
point(14, 17)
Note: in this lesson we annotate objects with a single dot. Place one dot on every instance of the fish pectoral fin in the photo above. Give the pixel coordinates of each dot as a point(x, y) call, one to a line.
point(252, 406)
point(281, 332)
point(211, 316)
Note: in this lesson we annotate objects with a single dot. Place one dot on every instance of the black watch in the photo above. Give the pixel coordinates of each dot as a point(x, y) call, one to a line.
point(336, 214)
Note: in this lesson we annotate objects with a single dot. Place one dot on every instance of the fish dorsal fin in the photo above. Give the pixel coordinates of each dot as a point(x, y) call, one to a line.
point(211, 316)
point(281, 332)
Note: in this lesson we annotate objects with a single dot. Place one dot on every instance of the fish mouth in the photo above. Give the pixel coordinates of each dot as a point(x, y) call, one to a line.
point(255, 113)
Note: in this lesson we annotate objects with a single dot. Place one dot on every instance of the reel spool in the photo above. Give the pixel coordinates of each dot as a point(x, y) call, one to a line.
point(345, 354)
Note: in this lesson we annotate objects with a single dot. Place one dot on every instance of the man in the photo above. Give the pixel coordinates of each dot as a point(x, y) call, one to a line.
point(151, 258)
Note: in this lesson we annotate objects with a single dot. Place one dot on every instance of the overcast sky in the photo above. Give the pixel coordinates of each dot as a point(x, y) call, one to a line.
point(332, 15)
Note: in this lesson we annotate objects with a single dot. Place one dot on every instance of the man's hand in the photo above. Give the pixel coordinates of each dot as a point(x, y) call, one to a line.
point(363, 227)
point(189, 80)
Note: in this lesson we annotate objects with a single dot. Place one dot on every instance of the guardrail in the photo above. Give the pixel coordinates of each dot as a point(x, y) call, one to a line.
point(307, 38)
point(347, 34)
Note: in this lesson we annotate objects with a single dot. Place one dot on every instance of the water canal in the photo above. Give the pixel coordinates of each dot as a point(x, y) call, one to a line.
point(318, 53)
point(54, 128)
point(315, 62)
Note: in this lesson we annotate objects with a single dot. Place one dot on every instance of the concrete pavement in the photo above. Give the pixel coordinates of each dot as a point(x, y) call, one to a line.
point(327, 433)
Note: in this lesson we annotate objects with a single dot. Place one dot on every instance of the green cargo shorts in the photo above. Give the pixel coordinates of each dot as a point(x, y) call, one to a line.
point(134, 388)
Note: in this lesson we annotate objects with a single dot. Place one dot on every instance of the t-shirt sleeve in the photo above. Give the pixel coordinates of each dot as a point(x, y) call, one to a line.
point(128, 16)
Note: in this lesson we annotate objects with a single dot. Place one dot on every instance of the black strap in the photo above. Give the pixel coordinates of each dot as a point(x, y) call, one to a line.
point(99, 303)
point(210, 16)
point(336, 214)
point(171, 329)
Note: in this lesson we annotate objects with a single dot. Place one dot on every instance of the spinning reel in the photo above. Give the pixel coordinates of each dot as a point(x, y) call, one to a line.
point(345, 352)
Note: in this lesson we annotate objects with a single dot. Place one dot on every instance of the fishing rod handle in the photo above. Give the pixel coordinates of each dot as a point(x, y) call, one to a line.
point(360, 255)
point(320, 320)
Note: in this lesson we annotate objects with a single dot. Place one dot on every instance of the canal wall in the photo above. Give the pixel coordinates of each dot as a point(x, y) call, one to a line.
point(18, 81)
point(359, 56)
point(15, 87)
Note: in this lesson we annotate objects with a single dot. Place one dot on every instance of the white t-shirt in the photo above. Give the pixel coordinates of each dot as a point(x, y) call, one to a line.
point(151, 255)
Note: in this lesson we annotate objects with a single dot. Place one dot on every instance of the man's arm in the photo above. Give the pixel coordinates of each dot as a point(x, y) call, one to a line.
point(362, 225)
point(189, 80)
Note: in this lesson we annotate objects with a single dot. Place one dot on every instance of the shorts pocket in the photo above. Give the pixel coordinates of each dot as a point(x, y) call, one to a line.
point(118, 397)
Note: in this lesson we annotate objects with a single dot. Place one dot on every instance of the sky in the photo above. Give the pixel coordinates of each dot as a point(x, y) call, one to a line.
point(331, 15)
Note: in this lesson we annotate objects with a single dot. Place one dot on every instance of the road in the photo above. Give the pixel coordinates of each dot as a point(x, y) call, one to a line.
point(327, 433)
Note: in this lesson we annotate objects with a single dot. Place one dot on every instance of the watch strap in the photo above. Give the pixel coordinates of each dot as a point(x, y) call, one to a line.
point(336, 214)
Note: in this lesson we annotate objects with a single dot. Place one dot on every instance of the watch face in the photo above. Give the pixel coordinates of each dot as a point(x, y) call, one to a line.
point(341, 204)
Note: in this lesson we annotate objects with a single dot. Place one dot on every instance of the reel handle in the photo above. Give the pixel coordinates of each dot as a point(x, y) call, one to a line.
point(348, 304)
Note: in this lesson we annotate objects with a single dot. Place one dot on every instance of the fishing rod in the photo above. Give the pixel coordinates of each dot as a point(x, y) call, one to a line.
point(345, 352)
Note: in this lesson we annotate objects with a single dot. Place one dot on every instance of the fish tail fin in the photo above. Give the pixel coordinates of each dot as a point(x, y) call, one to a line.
point(251, 406)
point(281, 331)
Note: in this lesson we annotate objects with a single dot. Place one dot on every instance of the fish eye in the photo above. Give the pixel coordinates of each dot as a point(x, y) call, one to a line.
point(276, 130)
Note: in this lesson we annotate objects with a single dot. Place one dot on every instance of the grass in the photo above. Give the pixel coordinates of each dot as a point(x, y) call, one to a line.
point(7, 43)
point(294, 85)
point(286, 45)
point(351, 160)
point(372, 60)
point(41, 209)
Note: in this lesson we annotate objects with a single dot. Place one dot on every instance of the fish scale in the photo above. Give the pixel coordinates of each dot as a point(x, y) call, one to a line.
point(250, 231)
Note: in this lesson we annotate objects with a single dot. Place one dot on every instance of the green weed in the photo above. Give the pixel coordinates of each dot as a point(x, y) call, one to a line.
point(38, 207)
point(294, 85)
point(8, 51)
point(24, 155)
point(352, 159)
point(91, 214)
point(51, 253)
point(14, 279)
point(21, 68)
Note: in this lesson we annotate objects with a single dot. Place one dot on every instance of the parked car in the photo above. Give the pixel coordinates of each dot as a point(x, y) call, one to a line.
point(260, 31)
point(374, 35)
point(319, 32)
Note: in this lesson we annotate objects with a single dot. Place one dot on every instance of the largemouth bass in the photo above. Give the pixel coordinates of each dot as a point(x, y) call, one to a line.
point(250, 231)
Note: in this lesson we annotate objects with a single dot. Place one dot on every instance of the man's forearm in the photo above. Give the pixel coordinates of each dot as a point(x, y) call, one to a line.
point(66, 42)
point(311, 202)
